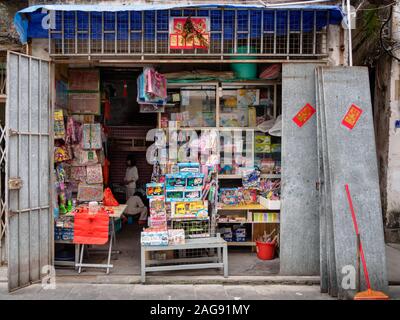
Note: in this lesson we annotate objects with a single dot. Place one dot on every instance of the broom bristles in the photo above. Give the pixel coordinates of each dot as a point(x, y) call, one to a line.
point(371, 295)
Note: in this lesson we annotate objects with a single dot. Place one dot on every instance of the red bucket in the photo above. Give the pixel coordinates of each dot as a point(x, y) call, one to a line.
point(265, 250)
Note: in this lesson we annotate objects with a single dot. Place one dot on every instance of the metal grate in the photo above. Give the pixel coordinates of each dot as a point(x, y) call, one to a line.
point(233, 32)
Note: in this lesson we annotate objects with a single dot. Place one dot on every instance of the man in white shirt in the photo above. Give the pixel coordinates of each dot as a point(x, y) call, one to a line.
point(131, 176)
point(136, 206)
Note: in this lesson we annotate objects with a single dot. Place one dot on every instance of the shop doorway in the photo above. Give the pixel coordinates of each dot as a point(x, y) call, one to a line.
point(126, 129)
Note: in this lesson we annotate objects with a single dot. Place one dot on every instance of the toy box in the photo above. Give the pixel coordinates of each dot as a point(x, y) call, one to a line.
point(176, 236)
point(196, 209)
point(262, 144)
point(154, 189)
point(250, 178)
point(240, 234)
point(154, 237)
point(247, 196)
point(175, 180)
point(158, 220)
point(174, 195)
point(192, 195)
point(229, 196)
point(195, 181)
point(189, 167)
point(157, 205)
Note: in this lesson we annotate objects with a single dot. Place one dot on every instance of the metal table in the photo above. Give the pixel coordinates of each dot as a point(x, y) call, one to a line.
point(201, 243)
point(118, 211)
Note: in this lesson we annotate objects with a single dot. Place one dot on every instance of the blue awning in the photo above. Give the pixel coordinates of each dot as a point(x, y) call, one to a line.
point(28, 21)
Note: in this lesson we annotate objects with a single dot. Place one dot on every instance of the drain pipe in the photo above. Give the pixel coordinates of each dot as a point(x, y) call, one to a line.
point(349, 34)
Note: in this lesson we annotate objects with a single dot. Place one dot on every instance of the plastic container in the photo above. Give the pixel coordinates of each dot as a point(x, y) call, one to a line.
point(244, 70)
point(265, 250)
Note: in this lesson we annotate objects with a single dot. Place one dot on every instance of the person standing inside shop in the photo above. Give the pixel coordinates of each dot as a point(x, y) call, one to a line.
point(131, 176)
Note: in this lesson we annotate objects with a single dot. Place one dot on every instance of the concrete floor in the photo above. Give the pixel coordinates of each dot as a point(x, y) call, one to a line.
point(241, 262)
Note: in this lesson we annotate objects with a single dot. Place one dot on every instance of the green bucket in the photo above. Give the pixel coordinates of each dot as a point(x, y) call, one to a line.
point(244, 70)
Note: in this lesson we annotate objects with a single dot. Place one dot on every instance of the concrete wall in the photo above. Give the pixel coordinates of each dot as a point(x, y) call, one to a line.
point(386, 113)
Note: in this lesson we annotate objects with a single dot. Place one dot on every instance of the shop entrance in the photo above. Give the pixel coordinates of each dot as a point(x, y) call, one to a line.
point(241, 111)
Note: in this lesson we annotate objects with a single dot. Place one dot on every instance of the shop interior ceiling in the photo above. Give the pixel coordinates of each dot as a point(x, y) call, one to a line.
point(142, 31)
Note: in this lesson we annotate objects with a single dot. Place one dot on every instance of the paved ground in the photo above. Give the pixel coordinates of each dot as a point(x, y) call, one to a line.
point(66, 291)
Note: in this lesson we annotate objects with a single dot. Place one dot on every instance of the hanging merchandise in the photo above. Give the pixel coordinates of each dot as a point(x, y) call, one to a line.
point(152, 88)
point(156, 84)
point(90, 192)
point(59, 128)
point(84, 157)
point(250, 178)
point(61, 154)
point(106, 171)
point(94, 174)
point(78, 173)
point(107, 110)
point(91, 137)
point(109, 199)
point(125, 90)
point(74, 131)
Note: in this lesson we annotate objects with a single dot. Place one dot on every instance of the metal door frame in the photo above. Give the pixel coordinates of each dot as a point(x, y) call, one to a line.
point(8, 132)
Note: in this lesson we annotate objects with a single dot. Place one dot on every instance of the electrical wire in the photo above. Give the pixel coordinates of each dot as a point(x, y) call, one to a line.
point(378, 8)
point(381, 36)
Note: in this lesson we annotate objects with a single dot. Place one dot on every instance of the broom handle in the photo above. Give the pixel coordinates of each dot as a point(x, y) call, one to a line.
point(353, 215)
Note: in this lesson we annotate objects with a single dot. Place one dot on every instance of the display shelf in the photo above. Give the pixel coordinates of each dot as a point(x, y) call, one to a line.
point(238, 176)
point(255, 206)
point(245, 222)
point(241, 244)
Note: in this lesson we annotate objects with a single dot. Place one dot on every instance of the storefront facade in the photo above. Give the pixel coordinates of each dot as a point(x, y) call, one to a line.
point(300, 38)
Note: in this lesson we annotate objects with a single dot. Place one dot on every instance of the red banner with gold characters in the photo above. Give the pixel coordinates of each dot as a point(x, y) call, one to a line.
point(304, 115)
point(189, 33)
point(352, 116)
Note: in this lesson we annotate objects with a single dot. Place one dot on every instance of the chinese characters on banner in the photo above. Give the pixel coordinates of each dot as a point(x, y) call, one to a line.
point(189, 33)
point(352, 116)
point(304, 115)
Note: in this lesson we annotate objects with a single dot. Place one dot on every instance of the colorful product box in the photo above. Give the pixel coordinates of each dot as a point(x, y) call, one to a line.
point(196, 209)
point(176, 236)
point(154, 190)
point(189, 167)
point(229, 196)
point(154, 237)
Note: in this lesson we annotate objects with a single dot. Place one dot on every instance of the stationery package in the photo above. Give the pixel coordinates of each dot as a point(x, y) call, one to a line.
point(91, 136)
point(94, 174)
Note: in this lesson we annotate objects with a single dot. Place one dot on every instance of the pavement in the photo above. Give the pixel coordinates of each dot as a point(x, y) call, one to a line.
point(69, 291)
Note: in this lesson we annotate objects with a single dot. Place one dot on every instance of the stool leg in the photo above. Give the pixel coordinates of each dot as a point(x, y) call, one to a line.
point(109, 255)
point(81, 259)
point(225, 254)
point(143, 264)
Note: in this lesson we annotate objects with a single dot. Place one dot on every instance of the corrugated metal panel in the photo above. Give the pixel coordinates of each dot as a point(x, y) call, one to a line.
point(29, 146)
point(299, 253)
point(352, 160)
point(327, 244)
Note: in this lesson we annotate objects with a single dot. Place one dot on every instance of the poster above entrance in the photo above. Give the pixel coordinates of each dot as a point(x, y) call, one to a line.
point(189, 33)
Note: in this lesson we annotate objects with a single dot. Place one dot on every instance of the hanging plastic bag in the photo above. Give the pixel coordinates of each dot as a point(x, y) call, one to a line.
point(108, 198)
point(91, 228)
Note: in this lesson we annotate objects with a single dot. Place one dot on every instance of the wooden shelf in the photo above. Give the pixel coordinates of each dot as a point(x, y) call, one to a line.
point(238, 176)
point(255, 206)
point(246, 222)
point(241, 244)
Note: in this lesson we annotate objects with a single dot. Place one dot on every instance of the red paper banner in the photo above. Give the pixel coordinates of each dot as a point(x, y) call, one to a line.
point(352, 116)
point(304, 115)
point(177, 39)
